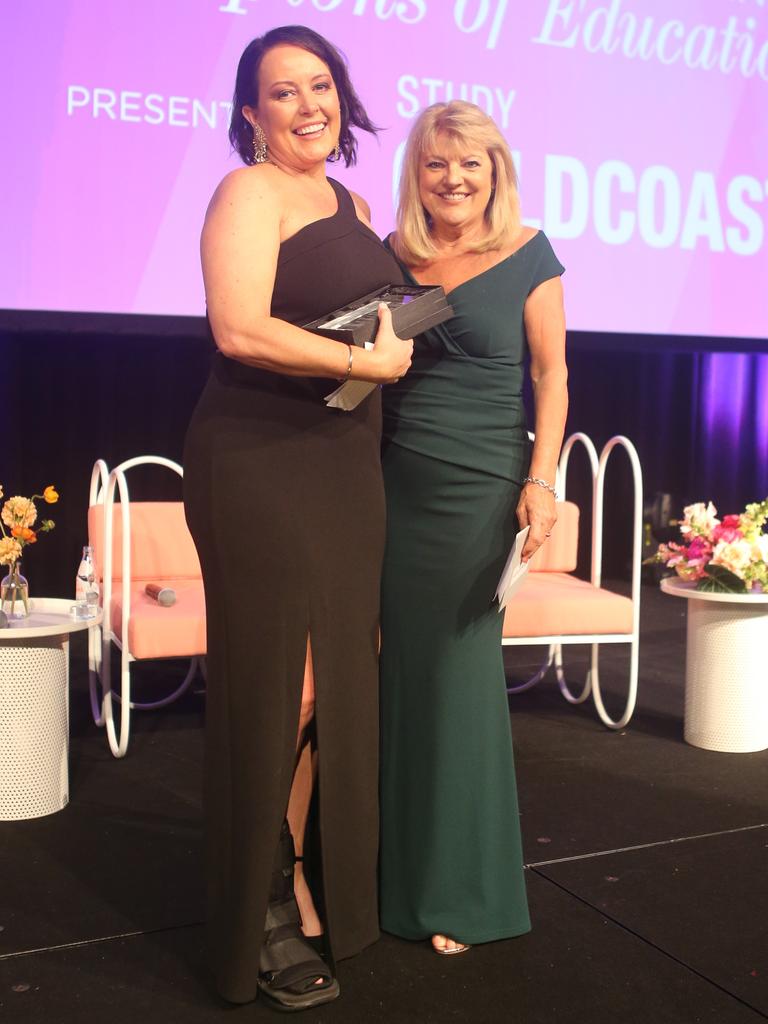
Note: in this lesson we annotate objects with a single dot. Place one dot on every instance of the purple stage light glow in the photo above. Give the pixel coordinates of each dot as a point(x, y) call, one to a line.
point(761, 416)
point(732, 456)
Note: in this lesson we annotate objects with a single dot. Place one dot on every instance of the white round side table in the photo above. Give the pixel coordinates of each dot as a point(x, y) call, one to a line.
point(726, 669)
point(34, 709)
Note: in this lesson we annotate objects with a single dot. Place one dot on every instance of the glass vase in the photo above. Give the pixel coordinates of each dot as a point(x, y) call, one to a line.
point(14, 593)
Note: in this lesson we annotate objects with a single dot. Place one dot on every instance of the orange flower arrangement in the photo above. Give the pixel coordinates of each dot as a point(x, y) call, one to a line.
point(19, 516)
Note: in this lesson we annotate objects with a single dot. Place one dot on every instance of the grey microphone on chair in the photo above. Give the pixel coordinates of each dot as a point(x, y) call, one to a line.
point(166, 596)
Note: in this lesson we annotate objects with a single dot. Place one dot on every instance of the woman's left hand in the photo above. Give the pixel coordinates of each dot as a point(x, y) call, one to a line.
point(536, 509)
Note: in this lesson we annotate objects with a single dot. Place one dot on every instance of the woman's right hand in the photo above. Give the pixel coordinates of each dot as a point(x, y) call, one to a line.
point(391, 356)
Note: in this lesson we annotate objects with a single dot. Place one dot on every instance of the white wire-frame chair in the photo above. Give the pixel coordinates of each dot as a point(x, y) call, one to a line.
point(591, 686)
point(103, 488)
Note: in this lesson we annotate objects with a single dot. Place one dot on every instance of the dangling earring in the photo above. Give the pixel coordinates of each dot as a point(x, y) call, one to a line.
point(259, 145)
point(336, 154)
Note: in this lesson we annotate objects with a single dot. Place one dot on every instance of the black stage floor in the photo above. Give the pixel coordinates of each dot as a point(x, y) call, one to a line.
point(646, 862)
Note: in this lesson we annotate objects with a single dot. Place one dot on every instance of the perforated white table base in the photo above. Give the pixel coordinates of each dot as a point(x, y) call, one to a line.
point(34, 726)
point(726, 691)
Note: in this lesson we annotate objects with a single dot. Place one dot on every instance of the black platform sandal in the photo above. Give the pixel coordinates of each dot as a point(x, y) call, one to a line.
point(289, 968)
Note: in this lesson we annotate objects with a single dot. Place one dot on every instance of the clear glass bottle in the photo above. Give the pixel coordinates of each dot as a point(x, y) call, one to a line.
point(86, 587)
point(85, 573)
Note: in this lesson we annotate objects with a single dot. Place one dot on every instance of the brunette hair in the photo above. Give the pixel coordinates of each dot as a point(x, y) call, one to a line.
point(465, 125)
point(247, 88)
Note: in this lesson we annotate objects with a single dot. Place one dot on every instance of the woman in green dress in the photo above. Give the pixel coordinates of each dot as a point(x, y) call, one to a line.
point(461, 479)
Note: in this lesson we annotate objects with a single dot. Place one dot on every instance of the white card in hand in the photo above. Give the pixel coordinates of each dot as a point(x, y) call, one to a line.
point(514, 571)
point(351, 393)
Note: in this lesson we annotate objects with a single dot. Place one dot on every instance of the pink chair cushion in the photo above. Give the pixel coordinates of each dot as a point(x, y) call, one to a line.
point(158, 632)
point(556, 604)
point(161, 544)
point(559, 552)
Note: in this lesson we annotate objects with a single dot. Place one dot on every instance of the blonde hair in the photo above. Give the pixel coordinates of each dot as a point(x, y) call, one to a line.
point(467, 126)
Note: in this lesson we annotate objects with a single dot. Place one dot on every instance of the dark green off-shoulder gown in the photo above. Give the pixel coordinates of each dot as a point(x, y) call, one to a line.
point(455, 452)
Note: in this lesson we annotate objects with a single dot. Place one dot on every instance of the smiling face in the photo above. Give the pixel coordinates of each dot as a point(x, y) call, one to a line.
point(298, 108)
point(455, 184)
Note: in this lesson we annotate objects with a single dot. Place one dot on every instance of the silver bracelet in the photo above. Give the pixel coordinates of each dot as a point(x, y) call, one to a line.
point(348, 374)
point(540, 483)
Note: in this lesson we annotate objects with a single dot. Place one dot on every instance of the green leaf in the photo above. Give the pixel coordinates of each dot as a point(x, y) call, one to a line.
point(722, 581)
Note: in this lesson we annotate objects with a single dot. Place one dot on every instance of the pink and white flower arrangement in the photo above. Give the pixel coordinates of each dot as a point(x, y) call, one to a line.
point(728, 554)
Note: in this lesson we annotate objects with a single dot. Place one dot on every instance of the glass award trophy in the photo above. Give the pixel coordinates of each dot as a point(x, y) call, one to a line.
point(415, 308)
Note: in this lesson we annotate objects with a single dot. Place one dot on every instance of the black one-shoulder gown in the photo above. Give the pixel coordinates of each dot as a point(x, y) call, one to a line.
point(285, 502)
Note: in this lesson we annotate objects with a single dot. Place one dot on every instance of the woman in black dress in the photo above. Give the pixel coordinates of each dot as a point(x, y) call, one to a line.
point(284, 499)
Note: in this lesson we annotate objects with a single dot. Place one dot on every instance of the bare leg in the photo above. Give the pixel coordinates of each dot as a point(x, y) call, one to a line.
point(301, 795)
point(298, 808)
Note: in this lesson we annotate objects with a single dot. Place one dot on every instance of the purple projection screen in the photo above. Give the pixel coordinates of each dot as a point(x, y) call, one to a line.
point(638, 127)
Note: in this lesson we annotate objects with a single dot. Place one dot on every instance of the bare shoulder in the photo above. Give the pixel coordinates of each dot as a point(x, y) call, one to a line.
point(523, 237)
point(363, 209)
point(526, 234)
point(243, 216)
point(257, 185)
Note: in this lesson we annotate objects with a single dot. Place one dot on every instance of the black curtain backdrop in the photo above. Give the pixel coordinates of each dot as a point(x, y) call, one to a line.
point(71, 396)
